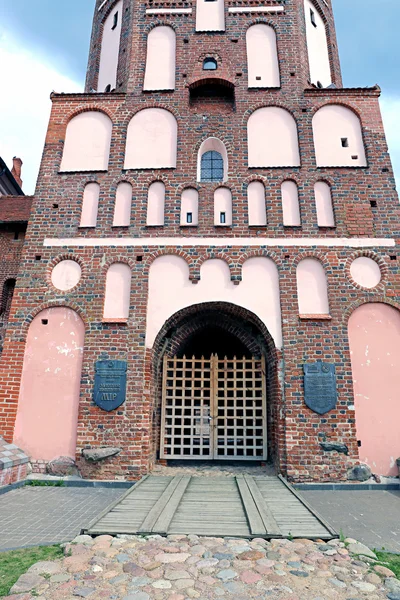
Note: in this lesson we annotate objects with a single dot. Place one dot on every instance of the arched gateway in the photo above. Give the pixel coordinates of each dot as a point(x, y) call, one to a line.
point(216, 385)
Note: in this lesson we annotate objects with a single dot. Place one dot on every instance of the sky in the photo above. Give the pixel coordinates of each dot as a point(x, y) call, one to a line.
point(44, 46)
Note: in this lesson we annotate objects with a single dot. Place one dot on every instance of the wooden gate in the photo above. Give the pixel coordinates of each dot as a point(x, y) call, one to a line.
point(214, 409)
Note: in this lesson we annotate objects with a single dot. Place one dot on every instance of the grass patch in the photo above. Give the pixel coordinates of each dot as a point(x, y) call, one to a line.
point(45, 483)
point(16, 562)
point(391, 561)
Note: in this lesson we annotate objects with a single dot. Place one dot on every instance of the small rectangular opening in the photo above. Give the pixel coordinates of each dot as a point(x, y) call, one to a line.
point(393, 257)
point(238, 74)
point(345, 142)
point(45, 321)
point(258, 78)
point(359, 443)
point(373, 203)
point(16, 235)
point(234, 41)
point(189, 217)
point(312, 17)
point(222, 217)
point(38, 257)
point(139, 258)
point(55, 205)
point(115, 22)
point(186, 40)
point(385, 170)
point(354, 156)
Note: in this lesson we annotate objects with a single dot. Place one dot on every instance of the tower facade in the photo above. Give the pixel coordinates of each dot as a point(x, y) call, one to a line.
point(210, 270)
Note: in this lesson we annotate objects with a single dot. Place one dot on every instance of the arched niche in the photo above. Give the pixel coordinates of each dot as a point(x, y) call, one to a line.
point(87, 142)
point(312, 288)
point(212, 144)
point(272, 138)
point(374, 338)
point(155, 204)
point(110, 44)
point(151, 141)
point(262, 57)
point(210, 15)
point(118, 292)
point(323, 204)
point(317, 46)
point(47, 417)
point(290, 204)
point(123, 205)
point(160, 59)
point(189, 207)
point(256, 203)
point(338, 138)
point(90, 205)
point(222, 207)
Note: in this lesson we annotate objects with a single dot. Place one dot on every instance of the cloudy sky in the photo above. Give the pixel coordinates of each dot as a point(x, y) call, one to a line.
point(44, 47)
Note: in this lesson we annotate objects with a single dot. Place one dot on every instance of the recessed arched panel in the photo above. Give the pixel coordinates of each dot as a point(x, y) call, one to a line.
point(256, 203)
point(317, 45)
point(262, 57)
point(87, 143)
point(123, 205)
point(210, 15)
point(189, 207)
point(209, 167)
point(90, 205)
point(110, 49)
point(156, 204)
point(290, 204)
point(312, 289)
point(272, 138)
point(47, 417)
point(160, 60)
point(323, 204)
point(151, 140)
point(338, 137)
point(374, 337)
point(118, 292)
point(223, 207)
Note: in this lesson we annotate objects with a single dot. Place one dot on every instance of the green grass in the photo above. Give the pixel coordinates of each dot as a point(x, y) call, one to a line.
point(45, 483)
point(16, 562)
point(391, 561)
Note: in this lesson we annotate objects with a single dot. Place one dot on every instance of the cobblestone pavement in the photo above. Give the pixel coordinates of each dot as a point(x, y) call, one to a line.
point(42, 515)
point(186, 567)
point(371, 517)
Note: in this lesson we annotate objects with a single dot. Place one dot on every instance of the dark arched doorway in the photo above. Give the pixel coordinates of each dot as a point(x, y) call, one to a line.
point(215, 368)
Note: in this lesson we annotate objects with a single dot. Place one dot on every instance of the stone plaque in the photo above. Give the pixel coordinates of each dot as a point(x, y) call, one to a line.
point(320, 392)
point(110, 384)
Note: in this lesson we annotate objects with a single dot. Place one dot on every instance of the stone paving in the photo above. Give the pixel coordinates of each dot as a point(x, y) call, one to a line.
point(187, 567)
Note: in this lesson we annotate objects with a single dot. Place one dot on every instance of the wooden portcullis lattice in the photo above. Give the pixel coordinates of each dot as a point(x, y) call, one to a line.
point(214, 409)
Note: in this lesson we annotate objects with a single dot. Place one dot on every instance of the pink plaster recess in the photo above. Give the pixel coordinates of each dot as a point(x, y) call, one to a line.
point(262, 57)
point(210, 15)
point(272, 138)
point(47, 417)
point(66, 275)
point(323, 204)
point(366, 272)
point(90, 205)
point(290, 204)
point(171, 290)
point(87, 143)
point(317, 44)
point(190, 204)
point(110, 50)
point(312, 291)
point(256, 203)
point(155, 203)
point(160, 60)
point(209, 144)
point(118, 292)
point(151, 140)
point(338, 137)
point(222, 205)
point(123, 204)
point(374, 335)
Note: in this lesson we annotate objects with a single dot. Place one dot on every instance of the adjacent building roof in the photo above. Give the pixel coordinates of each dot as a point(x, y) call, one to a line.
point(8, 184)
point(15, 209)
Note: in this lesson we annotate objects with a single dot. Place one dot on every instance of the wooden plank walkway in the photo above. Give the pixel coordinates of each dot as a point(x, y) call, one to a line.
point(241, 506)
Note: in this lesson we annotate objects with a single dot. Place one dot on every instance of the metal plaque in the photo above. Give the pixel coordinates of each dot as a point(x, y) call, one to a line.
point(320, 393)
point(110, 384)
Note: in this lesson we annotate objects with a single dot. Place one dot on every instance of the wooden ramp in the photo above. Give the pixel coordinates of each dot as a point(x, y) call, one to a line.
point(241, 506)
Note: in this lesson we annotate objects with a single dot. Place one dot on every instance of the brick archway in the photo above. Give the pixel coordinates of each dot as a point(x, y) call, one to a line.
point(250, 332)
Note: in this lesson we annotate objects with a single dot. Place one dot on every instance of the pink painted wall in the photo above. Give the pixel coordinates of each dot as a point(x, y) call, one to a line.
point(155, 203)
point(222, 203)
point(317, 44)
point(272, 138)
point(366, 272)
point(46, 425)
point(190, 204)
point(290, 204)
point(374, 336)
point(160, 60)
point(210, 15)
point(312, 289)
point(323, 204)
point(87, 143)
point(118, 292)
point(110, 50)
point(123, 204)
point(151, 140)
point(262, 57)
point(66, 275)
point(256, 203)
point(90, 205)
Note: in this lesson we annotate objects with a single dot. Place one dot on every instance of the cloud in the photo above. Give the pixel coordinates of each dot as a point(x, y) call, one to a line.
point(390, 107)
point(27, 82)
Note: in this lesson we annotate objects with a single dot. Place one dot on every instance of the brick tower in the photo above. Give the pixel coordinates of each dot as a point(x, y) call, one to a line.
point(210, 270)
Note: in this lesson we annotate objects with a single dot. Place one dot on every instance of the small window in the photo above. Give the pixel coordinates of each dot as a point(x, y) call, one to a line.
point(115, 23)
point(222, 218)
point(212, 166)
point(312, 17)
point(108, 89)
point(345, 142)
point(189, 217)
point(209, 64)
